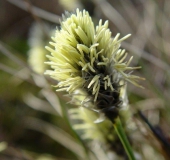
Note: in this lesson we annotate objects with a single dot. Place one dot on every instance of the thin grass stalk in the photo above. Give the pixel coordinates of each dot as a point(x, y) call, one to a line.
point(123, 138)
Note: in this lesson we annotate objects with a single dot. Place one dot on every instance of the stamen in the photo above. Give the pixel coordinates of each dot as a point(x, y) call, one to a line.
point(95, 78)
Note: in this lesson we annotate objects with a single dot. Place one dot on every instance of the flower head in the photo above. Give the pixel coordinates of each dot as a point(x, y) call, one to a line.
point(87, 58)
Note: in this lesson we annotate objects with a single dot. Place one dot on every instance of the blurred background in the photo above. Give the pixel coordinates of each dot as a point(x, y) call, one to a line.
point(34, 119)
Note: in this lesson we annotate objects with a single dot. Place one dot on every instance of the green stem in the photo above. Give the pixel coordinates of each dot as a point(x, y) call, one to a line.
point(123, 138)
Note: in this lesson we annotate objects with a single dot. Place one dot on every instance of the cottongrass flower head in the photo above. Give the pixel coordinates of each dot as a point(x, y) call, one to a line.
point(87, 62)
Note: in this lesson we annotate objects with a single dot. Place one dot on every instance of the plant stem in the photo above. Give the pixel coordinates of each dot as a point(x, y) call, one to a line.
point(123, 138)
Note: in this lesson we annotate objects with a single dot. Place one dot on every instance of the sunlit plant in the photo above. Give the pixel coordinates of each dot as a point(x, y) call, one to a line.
point(89, 64)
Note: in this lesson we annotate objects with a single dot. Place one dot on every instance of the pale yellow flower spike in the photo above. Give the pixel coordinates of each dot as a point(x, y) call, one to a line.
point(88, 58)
